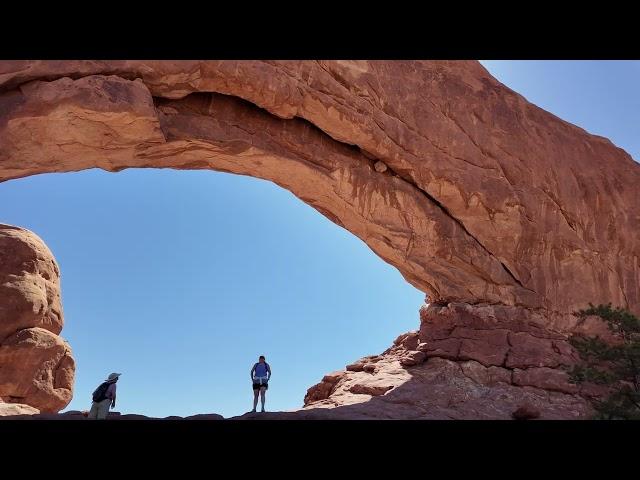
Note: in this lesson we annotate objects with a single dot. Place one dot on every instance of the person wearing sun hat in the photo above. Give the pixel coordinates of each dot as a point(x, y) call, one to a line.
point(104, 397)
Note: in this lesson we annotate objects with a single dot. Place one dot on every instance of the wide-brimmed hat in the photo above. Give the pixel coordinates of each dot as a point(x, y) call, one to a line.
point(113, 376)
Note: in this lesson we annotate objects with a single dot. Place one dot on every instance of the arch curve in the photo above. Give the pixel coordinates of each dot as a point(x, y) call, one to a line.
point(477, 196)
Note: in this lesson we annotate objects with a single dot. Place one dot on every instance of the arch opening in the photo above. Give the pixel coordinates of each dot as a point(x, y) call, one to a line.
point(178, 279)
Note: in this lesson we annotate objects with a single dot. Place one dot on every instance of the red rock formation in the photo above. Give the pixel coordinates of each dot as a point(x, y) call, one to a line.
point(36, 366)
point(29, 283)
point(485, 198)
point(476, 196)
point(13, 409)
point(465, 362)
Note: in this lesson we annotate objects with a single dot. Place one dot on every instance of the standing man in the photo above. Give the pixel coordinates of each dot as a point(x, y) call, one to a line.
point(104, 397)
point(260, 375)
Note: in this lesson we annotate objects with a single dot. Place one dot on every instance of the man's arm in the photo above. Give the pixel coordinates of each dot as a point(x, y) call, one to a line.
point(269, 371)
point(111, 392)
point(253, 369)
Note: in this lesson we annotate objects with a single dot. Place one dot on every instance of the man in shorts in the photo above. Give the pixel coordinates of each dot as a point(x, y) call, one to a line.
point(260, 375)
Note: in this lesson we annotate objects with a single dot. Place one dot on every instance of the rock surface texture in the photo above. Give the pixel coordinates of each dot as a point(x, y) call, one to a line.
point(36, 365)
point(465, 362)
point(482, 200)
point(13, 409)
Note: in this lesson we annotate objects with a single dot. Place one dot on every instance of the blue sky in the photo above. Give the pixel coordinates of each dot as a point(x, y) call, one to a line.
point(601, 96)
point(179, 280)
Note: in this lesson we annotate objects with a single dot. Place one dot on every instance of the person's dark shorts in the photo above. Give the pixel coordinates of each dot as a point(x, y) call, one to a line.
point(257, 386)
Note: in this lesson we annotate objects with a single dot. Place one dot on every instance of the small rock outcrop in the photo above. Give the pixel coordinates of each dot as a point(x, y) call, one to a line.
point(465, 362)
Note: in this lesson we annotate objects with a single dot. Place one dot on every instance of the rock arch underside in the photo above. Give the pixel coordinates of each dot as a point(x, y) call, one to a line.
point(507, 217)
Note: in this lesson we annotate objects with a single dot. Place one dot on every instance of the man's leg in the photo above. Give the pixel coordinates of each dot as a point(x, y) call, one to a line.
point(103, 409)
point(263, 390)
point(93, 413)
point(255, 399)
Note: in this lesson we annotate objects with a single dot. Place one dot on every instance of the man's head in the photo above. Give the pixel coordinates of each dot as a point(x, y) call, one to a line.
point(261, 359)
point(113, 378)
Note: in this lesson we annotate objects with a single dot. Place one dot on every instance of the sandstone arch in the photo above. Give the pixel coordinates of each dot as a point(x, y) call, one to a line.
point(477, 196)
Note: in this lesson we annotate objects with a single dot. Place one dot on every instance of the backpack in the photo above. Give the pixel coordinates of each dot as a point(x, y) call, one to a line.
point(100, 392)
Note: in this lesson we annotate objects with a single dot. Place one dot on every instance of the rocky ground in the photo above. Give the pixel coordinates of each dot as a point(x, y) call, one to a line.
point(478, 363)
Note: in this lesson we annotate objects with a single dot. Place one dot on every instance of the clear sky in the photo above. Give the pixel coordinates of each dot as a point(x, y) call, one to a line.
point(601, 96)
point(179, 280)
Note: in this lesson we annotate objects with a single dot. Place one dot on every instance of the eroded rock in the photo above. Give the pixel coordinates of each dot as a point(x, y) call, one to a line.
point(443, 382)
point(509, 218)
point(36, 365)
point(472, 211)
point(37, 369)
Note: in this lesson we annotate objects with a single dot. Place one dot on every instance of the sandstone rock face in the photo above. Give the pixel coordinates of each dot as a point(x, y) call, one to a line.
point(13, 409)
point(526, 412)
point(485, 198)
point(36, 366)
point(29, 283)
point(469, 377)
point(479, 198)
